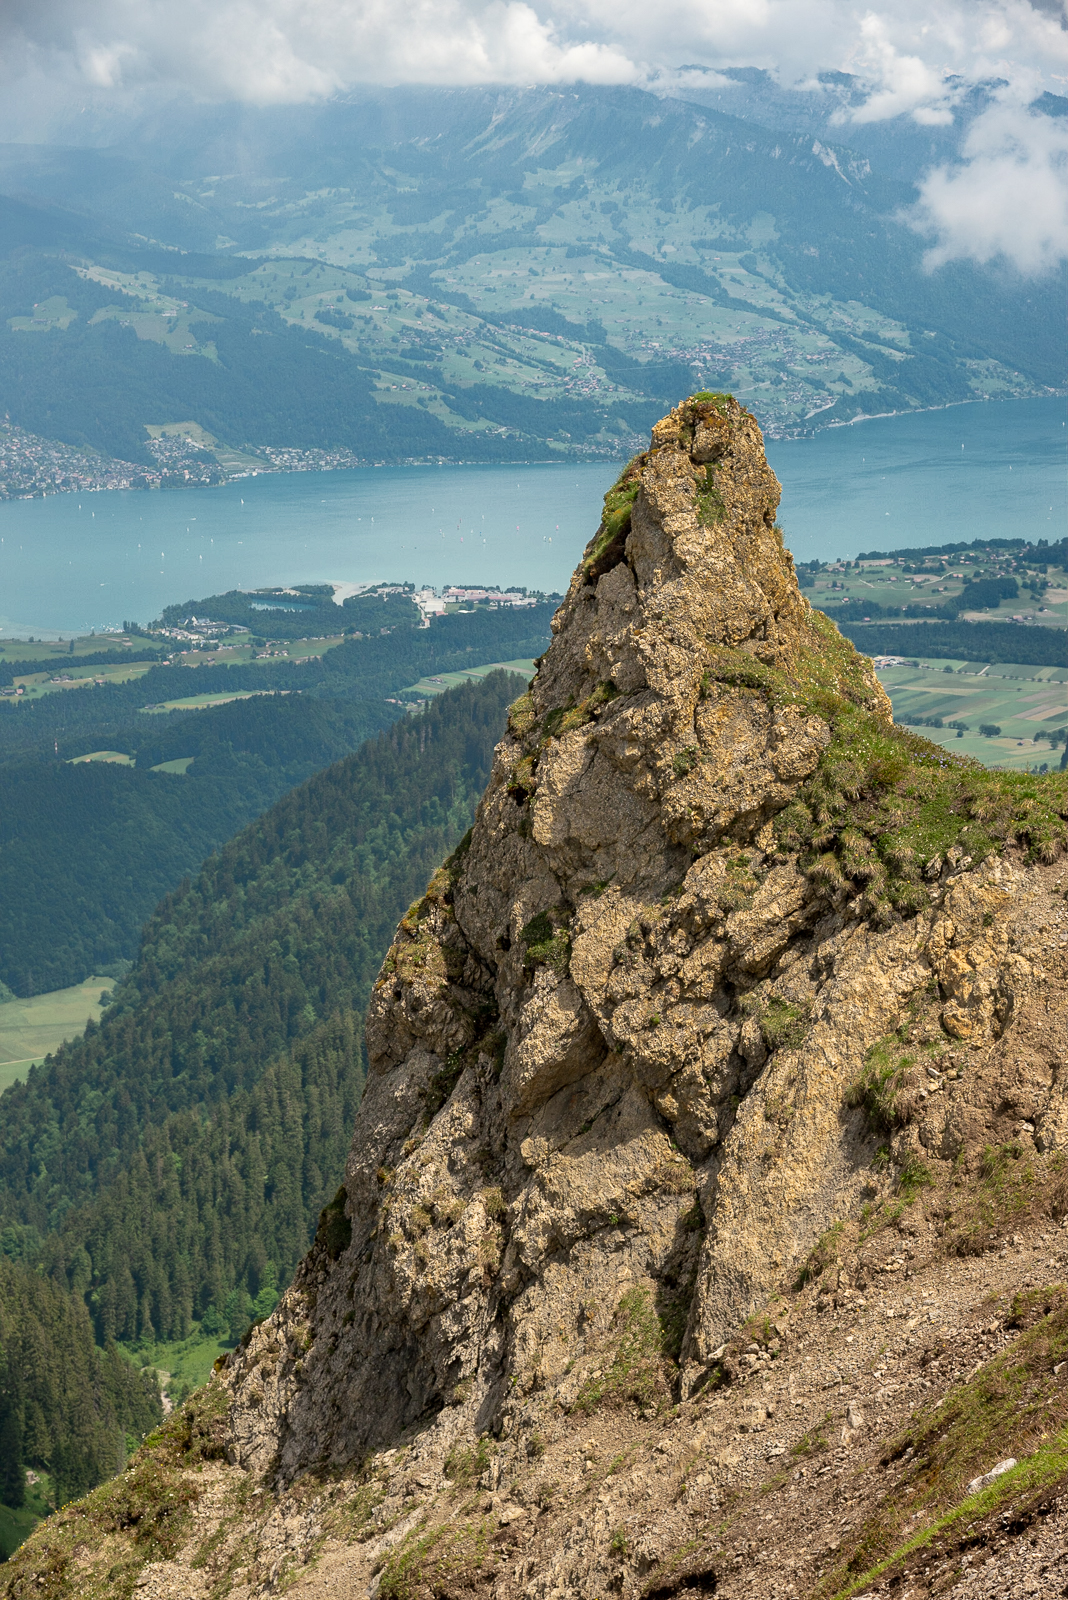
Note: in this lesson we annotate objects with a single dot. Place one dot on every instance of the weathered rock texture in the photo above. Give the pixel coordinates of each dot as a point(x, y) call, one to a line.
point(611, 1048)
point(635, 1060)
point(570, 988)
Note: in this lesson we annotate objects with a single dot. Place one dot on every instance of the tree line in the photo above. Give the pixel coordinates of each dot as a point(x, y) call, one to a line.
point(962, 641)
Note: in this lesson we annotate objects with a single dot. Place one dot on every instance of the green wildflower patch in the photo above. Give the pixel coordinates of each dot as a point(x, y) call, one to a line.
point(879, 1088)
point(783, 1026)
point(547, 941)
point(824, 1254)
point(641, 1348)
point(1013, 1187)
point(605, 549)
point(465, 1464)
point(718, 398)
point(150, 1504)
point(710, 506)
point(437, 1561)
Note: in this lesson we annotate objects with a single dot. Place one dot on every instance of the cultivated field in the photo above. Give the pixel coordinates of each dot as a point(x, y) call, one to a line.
point(68, 675)
point(15, 650)
point(197, 702)
point(1022, 701)
point(31, 1029)
point(449, 680)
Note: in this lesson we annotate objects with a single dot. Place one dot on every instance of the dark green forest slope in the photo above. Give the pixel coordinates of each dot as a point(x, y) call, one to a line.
point(86, 851)
point(172, 1162)
point(359, 669)
point(963, 641)
point(67, 1408)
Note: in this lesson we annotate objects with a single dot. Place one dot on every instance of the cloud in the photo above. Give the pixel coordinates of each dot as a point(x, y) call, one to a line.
point(905, 83)
point(275, 51)
point(1007, 200)
point(914, 58)
point(287, 51)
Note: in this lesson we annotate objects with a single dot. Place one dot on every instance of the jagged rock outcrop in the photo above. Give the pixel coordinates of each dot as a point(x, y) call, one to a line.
point(570, 988)
point(611, 1048)
point(727, 973)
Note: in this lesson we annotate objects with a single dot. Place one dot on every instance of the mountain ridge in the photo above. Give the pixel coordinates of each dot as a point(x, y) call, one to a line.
point(408, 223)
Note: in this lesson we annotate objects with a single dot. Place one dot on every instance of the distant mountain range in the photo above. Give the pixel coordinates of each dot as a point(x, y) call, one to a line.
point(483, 275)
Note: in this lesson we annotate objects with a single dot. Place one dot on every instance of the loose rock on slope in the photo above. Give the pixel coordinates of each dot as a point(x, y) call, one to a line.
point(632, 1057)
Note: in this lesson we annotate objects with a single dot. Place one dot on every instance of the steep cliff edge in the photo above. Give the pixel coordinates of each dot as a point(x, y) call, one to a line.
point(728, 969)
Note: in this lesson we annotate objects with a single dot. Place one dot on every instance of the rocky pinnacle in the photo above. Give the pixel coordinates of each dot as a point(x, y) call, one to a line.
point(612, 1048)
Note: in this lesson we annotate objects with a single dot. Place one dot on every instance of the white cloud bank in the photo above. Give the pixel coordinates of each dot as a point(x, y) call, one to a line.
point(915, 58)
point(1007, 200)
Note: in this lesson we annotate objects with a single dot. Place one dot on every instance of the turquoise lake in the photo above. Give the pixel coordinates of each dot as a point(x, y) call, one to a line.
point(69, 563)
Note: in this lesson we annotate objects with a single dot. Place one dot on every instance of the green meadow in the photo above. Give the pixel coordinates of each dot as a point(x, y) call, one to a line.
point(31, 1029)
point(16, 1526)
point(197, 702)
point(181, 1365)
point(449, 680)
point(70, 676)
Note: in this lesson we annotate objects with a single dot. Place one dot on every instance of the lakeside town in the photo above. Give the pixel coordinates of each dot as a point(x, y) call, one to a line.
point(32, 466)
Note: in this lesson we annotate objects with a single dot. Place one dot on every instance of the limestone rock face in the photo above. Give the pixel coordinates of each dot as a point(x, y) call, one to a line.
point(610, 1049)
point(717, 1102)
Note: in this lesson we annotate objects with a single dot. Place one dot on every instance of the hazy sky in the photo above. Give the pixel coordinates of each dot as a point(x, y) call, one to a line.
point(1007, 196)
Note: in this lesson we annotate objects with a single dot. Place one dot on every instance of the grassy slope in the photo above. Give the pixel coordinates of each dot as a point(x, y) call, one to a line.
point(31, 1029)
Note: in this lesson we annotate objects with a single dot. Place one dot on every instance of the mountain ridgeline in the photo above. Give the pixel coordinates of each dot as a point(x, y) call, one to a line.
point(510, 242)
point(173, 1160)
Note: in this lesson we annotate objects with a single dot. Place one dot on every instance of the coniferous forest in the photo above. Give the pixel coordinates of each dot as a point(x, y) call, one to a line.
point(172, 1162)
point(67, 1408)
point(87, 850)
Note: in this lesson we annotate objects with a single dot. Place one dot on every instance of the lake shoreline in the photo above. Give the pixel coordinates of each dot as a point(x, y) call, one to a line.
point(71, 563)
point(577, 458)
